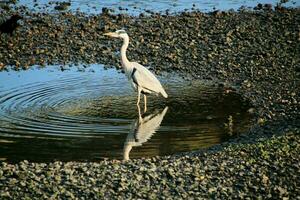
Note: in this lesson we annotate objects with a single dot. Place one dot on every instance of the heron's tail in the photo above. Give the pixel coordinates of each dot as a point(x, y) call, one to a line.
point(163, 93)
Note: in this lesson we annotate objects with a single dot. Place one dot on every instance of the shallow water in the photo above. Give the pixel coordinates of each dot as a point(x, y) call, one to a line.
point(135, 7)
point(48, 115)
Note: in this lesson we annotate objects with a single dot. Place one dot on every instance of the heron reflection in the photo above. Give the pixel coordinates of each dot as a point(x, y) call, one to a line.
point(142, 130)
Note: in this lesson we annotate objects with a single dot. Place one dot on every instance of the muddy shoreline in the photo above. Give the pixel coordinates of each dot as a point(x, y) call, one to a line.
point(256, 53)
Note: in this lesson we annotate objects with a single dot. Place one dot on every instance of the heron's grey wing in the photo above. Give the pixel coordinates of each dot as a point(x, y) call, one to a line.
point(145, 79)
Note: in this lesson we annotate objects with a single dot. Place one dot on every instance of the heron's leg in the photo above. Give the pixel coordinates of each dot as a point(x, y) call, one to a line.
point(139, 95)
point(126, 151)
point(140, 116)
point(145, 103)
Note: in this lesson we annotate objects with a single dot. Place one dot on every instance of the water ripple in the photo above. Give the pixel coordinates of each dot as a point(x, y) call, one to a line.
point(93, 115)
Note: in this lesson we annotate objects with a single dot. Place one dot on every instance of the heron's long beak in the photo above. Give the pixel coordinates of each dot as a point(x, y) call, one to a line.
point(110, 34)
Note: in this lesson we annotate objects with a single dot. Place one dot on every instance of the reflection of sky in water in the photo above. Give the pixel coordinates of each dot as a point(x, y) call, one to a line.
point(16, 78)
point(136, 7)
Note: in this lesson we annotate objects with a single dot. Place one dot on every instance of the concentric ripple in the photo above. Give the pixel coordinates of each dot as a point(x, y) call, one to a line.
point(70, 115)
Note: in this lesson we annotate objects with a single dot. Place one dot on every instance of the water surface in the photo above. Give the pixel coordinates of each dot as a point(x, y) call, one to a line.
point(135, 7)
point(68, 115)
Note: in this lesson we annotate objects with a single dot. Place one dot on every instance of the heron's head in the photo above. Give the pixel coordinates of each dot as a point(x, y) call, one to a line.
point(117, 34)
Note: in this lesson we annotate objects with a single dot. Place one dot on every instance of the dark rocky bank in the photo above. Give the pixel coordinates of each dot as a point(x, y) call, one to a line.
point(255, 53)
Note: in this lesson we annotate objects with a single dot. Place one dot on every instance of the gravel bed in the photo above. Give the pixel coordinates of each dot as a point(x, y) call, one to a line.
point(255, 53)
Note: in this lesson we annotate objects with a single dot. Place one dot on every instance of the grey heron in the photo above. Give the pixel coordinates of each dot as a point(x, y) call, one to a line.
point(142, 80)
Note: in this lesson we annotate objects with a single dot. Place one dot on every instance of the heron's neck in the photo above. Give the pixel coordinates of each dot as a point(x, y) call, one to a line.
point(125, 61)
